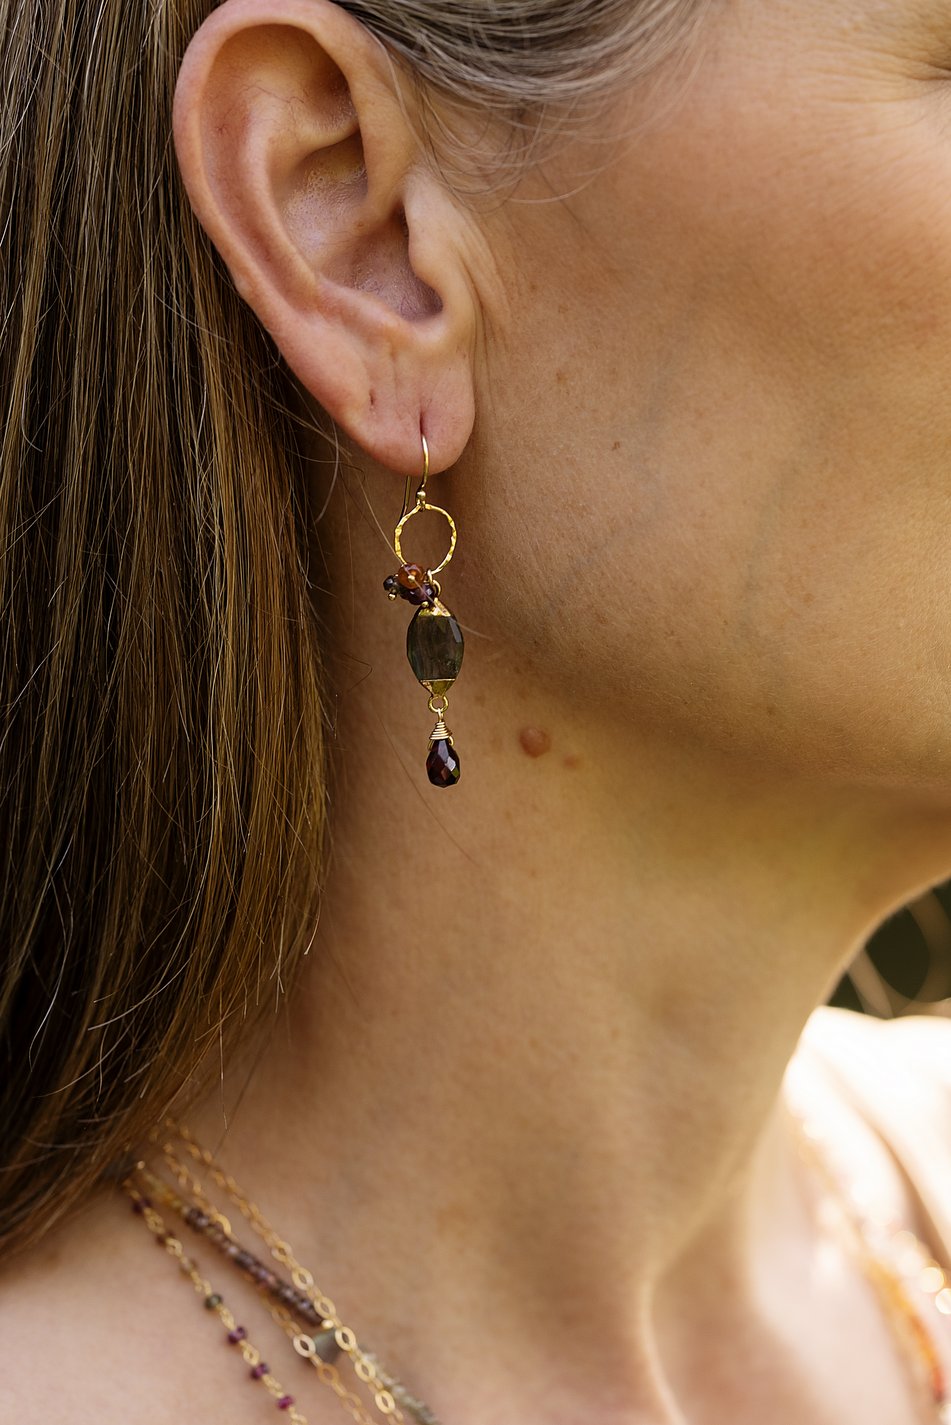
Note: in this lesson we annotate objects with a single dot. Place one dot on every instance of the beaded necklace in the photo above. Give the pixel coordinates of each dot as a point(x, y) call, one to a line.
point(912, 1287)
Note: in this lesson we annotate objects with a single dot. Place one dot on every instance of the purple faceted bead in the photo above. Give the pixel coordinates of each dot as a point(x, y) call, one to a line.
point(442, 764)
point(422, 595)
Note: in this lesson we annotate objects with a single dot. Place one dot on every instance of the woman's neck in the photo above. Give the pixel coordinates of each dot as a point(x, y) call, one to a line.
point(523, 1099)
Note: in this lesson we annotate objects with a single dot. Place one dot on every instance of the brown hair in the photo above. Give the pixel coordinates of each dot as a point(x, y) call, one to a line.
point(162, 765)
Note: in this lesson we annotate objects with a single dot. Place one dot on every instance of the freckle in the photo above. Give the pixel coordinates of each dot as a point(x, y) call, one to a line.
point(561, 377)
point(480, 699)
point(535, 741)
point(571, 760)
point(451, 1220)
point(616, 445)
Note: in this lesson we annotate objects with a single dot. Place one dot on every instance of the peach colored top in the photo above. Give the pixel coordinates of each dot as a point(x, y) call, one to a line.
point(879, 1094)
point(896, 1076)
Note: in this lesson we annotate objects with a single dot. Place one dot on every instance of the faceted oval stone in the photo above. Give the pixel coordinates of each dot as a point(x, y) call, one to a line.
point(442, 764)
point(434, 648)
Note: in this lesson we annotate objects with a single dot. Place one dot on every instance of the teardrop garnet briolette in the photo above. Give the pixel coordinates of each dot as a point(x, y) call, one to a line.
point(442, 764)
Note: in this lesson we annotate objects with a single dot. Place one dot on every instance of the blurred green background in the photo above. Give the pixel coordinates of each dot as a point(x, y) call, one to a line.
point(906, 966)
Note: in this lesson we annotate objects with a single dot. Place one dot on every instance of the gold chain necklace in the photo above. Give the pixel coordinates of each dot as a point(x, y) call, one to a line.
point(387, 1393)
point(895, 1261)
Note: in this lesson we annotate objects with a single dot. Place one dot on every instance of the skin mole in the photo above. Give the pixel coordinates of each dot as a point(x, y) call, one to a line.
point(535, 741)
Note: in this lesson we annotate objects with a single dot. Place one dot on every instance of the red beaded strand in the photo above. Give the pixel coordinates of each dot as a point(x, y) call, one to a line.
point(215, 1229)
point(258, 1369)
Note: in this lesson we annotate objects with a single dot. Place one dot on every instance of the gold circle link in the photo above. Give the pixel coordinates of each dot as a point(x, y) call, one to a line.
point(440, 711)
point(417, 509)
point(249, 1352)
point(282, 1252)
point(346, 1340)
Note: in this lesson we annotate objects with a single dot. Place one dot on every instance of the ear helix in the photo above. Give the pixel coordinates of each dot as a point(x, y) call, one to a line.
point(434, 643)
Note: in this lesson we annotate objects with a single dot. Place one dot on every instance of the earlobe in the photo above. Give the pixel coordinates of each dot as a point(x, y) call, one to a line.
point(302, 165)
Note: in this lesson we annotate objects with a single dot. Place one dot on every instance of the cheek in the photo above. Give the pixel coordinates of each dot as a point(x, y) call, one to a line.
point(743, 477)
point(815, 393)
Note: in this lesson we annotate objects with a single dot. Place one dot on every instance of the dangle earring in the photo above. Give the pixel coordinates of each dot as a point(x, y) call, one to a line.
point(434, 644)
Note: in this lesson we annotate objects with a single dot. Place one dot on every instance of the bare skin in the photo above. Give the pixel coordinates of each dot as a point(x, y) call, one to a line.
point(522, 1111)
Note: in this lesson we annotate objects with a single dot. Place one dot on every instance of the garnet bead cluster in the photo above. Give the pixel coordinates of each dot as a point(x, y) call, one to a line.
point(410, 584)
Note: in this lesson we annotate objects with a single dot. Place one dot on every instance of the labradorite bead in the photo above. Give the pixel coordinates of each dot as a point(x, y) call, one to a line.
point(434, 648)
point(326, 1346)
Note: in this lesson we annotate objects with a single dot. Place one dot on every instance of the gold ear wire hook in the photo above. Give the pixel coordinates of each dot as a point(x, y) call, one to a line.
point(422, 504)
point(420, 499)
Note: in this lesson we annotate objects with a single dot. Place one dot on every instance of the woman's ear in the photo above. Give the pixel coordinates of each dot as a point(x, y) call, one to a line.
point(302, 164)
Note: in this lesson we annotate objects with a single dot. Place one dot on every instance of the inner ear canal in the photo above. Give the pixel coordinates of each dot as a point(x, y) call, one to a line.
point(326, 215)
point(380, 264)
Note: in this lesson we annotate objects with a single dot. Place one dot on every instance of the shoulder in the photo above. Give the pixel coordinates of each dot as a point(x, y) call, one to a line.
point(918, 1043)
point(87, 1272)
point(890, 1060)
point(894, 1076)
